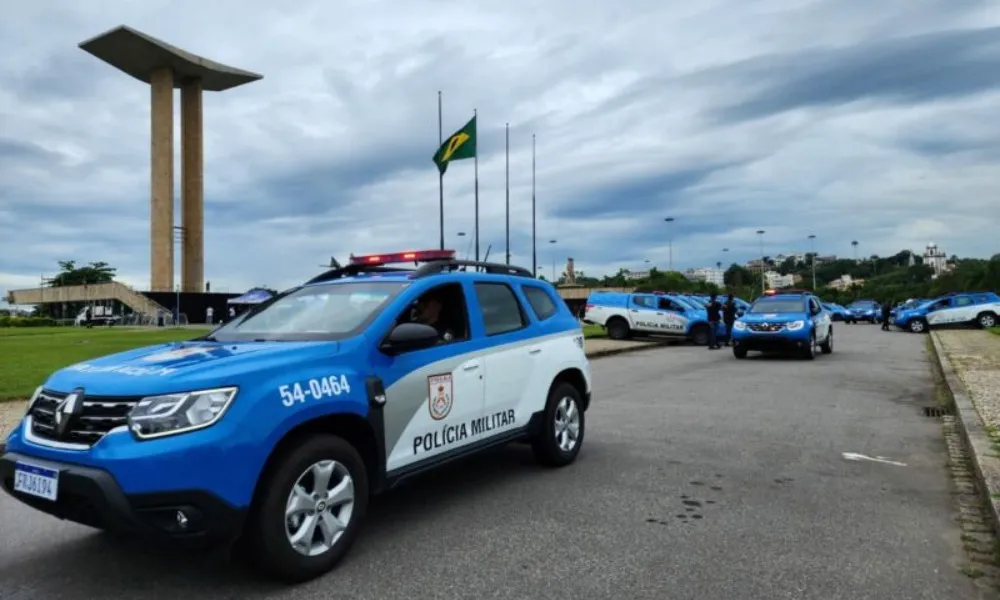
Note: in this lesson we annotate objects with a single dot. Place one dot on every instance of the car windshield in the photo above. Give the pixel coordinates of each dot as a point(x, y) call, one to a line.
point(778, 306)
point(685, 302)
point(862, 304)
point(698, 302)
point(311, 313)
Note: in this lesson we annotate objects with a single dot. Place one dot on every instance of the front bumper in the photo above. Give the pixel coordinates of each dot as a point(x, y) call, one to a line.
point(92, 497)
point(778, 341)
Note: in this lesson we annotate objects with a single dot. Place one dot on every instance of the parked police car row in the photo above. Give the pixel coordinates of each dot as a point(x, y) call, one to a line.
point(272, 431)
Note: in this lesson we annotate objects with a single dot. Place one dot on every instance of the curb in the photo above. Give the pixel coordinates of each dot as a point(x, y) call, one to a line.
point(973, 432)
point(626, 349)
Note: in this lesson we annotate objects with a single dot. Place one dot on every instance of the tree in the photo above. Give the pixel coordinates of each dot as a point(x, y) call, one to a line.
point(95, 272)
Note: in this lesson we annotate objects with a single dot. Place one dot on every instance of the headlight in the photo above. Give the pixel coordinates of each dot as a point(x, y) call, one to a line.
point(34, 398)
point(739, 325)
point(795, 325)
point(170, 414)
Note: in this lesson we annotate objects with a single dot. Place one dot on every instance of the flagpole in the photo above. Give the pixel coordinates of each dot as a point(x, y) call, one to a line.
point(475, 141)
point(507, 179)
point(440, 174)
point(534, 253)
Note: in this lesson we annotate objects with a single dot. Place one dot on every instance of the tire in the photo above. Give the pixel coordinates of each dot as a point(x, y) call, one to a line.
point(739, 351)
point(699, 335)
point(827, 346)
point(986, 320)
point(809, 352)
point(269, 527)
point(618, 328)
point(918, 326)
point(554, 445)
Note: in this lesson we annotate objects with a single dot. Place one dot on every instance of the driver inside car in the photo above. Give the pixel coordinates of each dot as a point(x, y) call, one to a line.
point(428, 312)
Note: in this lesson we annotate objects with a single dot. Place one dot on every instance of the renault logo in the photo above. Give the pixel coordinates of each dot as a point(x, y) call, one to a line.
point(67, 410)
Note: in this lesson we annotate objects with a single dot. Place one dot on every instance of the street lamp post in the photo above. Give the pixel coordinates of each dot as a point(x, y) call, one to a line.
point(670, 242)
point(854, 244)
point(812, 251)
point(553, 263)
point(763, 280)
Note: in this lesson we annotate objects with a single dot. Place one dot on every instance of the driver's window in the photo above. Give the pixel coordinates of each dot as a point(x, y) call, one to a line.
point(443, 308)
point(667, 304)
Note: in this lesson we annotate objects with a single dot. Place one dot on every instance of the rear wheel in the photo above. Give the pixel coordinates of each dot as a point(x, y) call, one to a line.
point(699, 335)
point(310, 509)
point(618, 328)
point(986, 320)
point(558, 441)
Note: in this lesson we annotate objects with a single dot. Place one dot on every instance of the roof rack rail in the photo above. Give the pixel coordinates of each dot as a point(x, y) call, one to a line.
point(354, 269)
point(439, 266)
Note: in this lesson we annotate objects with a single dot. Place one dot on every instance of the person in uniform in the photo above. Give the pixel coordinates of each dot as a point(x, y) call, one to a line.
point(729, 317)
point(886, 313)
point(428, 311)
point(714, 309)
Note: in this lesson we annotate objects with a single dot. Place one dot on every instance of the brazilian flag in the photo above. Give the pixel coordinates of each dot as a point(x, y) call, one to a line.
point(459, 146)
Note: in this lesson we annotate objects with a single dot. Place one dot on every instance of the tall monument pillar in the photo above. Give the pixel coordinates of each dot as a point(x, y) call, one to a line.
point(165, 67)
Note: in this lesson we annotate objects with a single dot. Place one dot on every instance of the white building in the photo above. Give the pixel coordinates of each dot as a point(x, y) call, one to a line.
point(708, 275)
point(776, 280)
point(845, 282)
point(636, 275)
point(935, 258)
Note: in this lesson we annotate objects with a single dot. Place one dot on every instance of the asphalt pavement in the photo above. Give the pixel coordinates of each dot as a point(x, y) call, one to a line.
point(701, 477)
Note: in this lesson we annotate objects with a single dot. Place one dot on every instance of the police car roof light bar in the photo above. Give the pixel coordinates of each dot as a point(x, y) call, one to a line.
point(415, 256)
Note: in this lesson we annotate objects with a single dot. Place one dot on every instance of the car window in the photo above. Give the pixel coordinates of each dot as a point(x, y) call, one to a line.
point(442, 307)
point(644, 301)
point(501, 311)
point(963, 301)
point(540, 302)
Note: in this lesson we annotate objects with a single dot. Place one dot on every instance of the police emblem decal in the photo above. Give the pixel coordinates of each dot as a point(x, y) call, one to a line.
point(440, 395)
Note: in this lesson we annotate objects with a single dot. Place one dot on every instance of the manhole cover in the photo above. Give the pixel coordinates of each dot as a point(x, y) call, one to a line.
point(937, 411)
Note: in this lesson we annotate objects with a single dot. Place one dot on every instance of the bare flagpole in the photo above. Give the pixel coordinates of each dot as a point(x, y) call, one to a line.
point(507, 178)
point(534, 250)
point(475, 141)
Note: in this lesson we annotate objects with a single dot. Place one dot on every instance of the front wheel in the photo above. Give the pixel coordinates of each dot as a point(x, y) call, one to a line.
point(310, 509)
point(827, 346)
point(809, 352)
point(739, 351)
point(561, 435)
point(918, 326)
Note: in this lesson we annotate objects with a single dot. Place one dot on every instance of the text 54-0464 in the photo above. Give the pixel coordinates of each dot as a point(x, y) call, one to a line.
point(322, 387)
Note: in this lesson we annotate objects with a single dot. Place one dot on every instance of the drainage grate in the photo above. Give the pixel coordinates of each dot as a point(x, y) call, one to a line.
point(937, 411)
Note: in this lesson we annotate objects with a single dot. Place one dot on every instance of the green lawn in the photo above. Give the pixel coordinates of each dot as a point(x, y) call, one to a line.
point(31, 354)
point(594, 331)
point(995, 330)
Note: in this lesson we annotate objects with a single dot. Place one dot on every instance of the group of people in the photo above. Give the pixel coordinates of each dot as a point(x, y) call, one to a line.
point(720, 311)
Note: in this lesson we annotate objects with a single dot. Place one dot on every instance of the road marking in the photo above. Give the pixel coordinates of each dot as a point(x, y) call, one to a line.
point(879, 459)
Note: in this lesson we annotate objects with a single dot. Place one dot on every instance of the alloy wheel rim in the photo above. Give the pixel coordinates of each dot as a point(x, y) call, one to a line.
point(567, 424)
point(319, 507)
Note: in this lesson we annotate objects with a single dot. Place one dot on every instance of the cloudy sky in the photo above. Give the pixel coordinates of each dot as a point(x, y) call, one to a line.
point(847, 119)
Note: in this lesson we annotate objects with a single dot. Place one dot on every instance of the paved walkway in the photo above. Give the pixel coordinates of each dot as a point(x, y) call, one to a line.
point(975, 356)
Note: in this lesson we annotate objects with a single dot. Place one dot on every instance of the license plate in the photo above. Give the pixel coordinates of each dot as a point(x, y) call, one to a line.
point(36, 481)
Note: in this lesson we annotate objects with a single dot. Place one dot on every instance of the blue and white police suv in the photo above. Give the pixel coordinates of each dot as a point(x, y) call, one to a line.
point(625, 314)
point(273, 431)
point(785, 321)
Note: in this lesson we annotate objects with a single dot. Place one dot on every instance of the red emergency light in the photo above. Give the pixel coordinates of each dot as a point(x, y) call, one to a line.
point(402, 257)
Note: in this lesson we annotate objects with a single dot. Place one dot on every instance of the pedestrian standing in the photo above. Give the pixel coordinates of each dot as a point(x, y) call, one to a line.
point(209, 312)
point(714, 317)
point(886, 313)
point(729, 317)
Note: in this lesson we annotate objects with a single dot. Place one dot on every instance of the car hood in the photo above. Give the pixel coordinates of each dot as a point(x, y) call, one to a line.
point(772, 317)
point(184, 366)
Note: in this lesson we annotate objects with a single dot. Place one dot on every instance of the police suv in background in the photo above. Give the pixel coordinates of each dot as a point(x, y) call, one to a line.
point(863, 310)
point(786, 321)
point(978, 309)
point(624, 314)
point(273, 430)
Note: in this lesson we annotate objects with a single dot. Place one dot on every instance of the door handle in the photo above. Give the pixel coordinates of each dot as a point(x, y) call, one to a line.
point(534, 351)
point(471, 367)
point(659, 313)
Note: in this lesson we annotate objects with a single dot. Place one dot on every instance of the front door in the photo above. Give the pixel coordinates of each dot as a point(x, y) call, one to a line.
point(938, 314)
point(642, 313)
point(435, 394)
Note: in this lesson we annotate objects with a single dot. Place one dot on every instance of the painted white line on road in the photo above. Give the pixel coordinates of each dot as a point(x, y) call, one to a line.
point(879, 459)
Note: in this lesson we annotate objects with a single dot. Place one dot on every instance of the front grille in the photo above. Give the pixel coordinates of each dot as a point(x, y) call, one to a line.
point(771, 327)
point(99, 416)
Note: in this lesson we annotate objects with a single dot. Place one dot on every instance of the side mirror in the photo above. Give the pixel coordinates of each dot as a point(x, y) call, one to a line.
point(409, 336)
point(740, 312)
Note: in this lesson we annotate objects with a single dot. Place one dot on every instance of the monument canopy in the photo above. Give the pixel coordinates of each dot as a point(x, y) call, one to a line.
point(139, 55)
